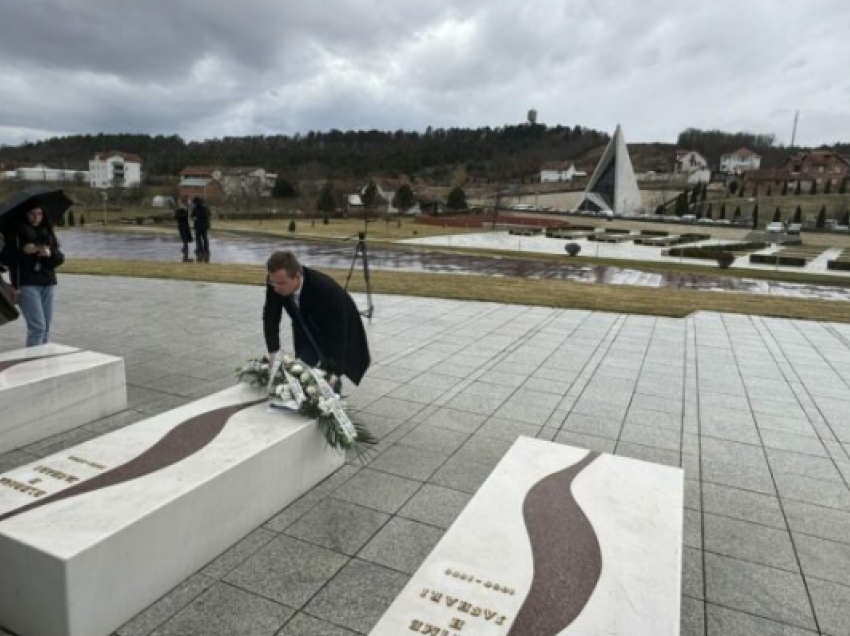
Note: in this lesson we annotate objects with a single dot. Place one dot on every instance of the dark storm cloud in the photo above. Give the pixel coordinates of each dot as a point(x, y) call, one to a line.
point(205, 68)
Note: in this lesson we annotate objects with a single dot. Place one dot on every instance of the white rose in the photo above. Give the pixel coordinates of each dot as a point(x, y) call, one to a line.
point(305, 377)
point(297, 369)
point(310, 390)
point(287, 359)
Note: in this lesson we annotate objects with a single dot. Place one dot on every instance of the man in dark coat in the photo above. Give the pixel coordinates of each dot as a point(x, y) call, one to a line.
point(326, 325)
point(201, 217)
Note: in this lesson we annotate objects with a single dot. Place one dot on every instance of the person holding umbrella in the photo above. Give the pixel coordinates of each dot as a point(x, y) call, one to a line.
point(32, 255)
point(8, 294)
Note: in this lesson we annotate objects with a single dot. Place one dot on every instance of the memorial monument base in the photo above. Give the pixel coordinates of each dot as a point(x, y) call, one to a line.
point(51, 389)
point(558, 541)
point(94, 534)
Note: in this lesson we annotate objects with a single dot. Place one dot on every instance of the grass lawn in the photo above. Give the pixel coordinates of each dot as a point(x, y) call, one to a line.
point(562, 294)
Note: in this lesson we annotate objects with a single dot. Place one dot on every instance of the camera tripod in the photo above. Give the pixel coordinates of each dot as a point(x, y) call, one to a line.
point(361, 251)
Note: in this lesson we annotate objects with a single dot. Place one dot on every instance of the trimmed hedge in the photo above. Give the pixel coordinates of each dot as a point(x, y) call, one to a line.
point(713, 251)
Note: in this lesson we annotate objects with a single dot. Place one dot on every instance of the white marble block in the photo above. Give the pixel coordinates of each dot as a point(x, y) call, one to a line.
point(144, 507)
point(51, 389)
point(557, 542)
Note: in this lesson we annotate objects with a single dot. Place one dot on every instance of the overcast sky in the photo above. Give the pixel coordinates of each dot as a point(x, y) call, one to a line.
point(210, 68)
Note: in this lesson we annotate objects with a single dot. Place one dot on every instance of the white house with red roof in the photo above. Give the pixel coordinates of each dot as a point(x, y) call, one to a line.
point(115, 170)
point(739, 161)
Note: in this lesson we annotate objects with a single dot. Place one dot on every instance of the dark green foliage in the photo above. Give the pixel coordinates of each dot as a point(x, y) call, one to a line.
point(722, 211)
point(404, 199)
point(681, 204)
point(71, 221)
point(733, 187)
point(842, 189)
point(370, 196)
point(798, 215)
point(725, 259)
point(777, 215)
point(845, 220)
point(814, 187)
point(572, 249)
point(799, 189)
point(708, 212)
point(284, 189)
point(784, 188)
point(659, 210)
point(326, 203)
point(821, 222)
point(326, 220)
point(501, 153)
point(755, 216)
point(828, 187)
point(292, 227)
point(457, 199)
point(82, 220)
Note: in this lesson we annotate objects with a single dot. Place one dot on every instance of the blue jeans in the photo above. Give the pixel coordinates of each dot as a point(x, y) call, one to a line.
point(36, 304)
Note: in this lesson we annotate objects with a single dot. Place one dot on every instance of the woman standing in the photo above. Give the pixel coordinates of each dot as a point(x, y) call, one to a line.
point(34, 257)
point(181, 215)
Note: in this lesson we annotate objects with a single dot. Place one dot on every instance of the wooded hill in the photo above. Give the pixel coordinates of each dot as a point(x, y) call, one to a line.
point(483, 155)
point(505, 153)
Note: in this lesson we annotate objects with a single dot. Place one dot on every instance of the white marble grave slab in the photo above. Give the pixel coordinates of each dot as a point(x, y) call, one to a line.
point(558, 541)
point(165, 496)
point(52, 388)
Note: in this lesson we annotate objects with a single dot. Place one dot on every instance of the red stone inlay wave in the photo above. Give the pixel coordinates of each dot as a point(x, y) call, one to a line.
point(184, 440)
point(566, 555)
point(8, 364)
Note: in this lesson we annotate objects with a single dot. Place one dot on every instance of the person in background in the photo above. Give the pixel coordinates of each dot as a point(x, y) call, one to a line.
point(201, 219)
point(326, 325)
point(33, 256)
point(181, 215)
point(8, 294)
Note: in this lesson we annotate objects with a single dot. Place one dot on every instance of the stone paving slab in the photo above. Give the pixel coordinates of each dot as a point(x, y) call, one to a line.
point(756, 411)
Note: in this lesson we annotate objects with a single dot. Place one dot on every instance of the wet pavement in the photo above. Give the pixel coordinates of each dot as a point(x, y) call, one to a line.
point(340, 254)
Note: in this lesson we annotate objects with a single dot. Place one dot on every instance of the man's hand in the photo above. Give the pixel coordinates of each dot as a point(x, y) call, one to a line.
point(31, 248)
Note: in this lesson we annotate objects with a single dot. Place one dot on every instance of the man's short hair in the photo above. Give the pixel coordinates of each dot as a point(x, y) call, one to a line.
point(286, 261)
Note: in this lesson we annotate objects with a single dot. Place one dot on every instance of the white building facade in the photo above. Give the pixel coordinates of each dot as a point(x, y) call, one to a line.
point(115, 170)
point(690, 161)
point(557, 171)
point(739, 161)
point(41, 172)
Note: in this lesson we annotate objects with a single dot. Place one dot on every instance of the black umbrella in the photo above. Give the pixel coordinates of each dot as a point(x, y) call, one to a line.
point(54, 203)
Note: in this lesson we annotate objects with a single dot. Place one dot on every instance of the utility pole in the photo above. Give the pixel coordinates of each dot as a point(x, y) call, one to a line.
point(794, 129)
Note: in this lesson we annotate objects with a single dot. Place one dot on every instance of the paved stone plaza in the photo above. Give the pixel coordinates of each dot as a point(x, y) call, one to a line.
point(756, 411)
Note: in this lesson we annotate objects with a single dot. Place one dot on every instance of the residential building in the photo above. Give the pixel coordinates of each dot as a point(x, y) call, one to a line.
point(41, 172)
point(739, 161)
point(386, 189)
point(115, 170)
point(689, 161)
point(820, 166)
point(216, 184)
point(559, 171)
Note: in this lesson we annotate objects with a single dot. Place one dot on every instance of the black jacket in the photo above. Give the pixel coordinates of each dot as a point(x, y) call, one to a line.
point(201, 217)
point(29, 269)
point(332, 318)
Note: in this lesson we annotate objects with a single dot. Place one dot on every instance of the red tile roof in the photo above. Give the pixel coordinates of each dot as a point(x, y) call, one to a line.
point(127, 156)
